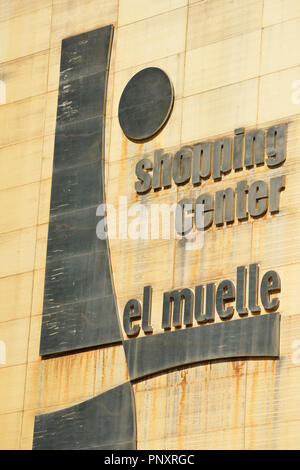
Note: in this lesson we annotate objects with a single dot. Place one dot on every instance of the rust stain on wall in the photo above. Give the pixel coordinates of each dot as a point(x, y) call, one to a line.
point(68, 378)
point(238, 369)
point(103, 359)
point(182, 401)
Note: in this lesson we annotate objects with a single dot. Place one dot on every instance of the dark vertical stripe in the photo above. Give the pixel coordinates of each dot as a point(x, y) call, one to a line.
point(79, 305)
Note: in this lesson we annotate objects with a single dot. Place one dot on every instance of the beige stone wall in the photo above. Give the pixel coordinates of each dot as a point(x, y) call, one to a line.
point(232, 63)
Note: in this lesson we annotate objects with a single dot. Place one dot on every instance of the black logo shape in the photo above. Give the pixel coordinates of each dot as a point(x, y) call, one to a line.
point(146, 104)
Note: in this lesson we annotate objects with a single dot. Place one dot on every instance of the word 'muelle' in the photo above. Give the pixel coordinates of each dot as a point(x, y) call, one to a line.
point(182, 306)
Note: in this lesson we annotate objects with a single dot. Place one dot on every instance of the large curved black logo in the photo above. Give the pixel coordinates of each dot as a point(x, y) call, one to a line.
point(80, 309)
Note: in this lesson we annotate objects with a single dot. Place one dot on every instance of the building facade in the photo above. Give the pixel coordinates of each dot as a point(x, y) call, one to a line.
point(136, 336)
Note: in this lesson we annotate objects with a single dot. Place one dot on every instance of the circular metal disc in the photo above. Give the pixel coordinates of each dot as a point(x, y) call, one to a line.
point(146, 104)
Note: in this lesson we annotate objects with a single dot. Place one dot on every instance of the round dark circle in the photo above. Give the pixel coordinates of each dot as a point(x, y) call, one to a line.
point(146, 104)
